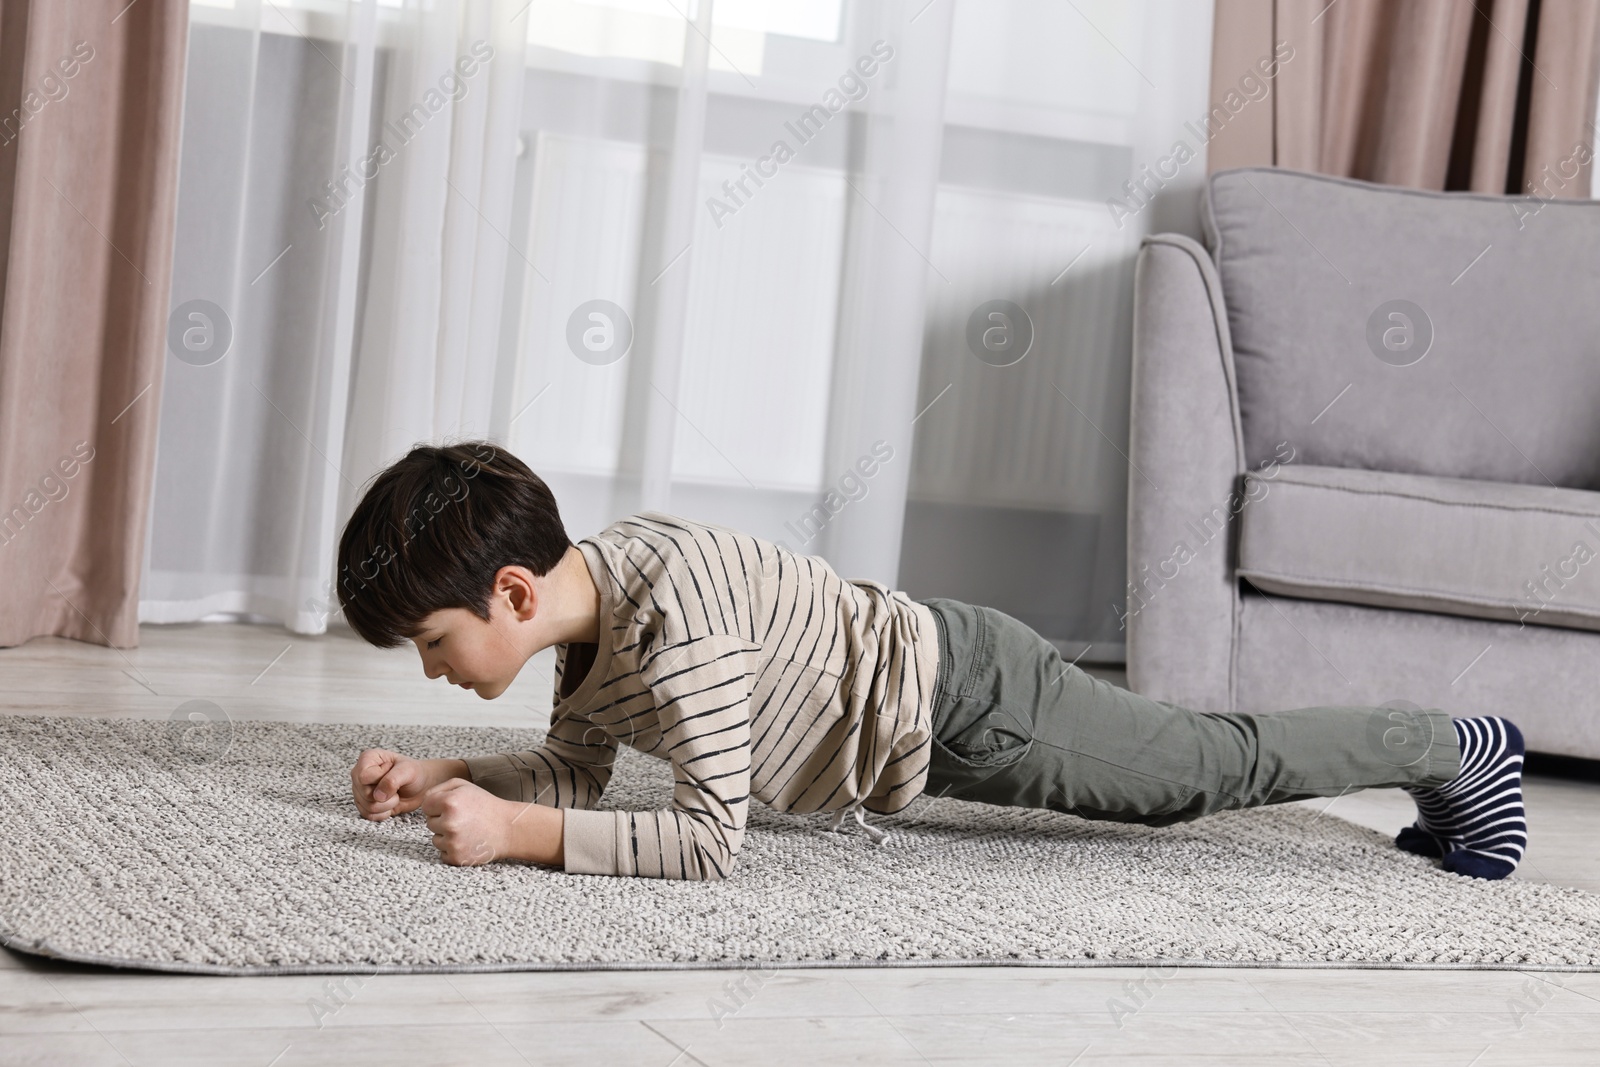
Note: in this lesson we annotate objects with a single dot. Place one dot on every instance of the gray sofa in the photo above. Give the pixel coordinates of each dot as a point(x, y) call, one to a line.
point(1365, 455)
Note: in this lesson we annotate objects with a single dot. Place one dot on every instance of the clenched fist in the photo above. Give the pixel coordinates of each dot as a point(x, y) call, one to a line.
point(386, 783)
point(472, 826)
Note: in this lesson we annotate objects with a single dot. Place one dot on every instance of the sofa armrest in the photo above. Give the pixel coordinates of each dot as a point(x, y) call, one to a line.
point(1186, 463)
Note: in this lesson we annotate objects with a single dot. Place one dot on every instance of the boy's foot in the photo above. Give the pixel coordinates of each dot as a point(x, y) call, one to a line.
point(1415, 839)
point(1475, 822)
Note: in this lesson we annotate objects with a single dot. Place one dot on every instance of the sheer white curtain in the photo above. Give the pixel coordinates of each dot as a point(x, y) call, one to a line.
point(428, 348)
point(344, 202)
point(721, 259)
point(264, 293)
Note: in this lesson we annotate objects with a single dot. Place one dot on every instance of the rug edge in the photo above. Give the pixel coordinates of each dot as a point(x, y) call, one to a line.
point(45, 951)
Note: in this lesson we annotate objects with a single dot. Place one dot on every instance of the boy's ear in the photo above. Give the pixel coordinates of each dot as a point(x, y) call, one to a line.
point(517, 586)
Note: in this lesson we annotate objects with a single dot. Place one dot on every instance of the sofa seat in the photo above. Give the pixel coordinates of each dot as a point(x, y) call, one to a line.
point(1485, 550)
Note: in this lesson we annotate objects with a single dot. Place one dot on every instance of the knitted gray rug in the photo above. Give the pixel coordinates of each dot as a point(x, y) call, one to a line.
point(223, 847)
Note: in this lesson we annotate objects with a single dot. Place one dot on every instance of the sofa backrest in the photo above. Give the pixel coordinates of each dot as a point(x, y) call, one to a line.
point(1383, 328)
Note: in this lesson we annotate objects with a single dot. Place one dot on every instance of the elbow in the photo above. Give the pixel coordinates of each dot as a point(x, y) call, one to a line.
point(716, 864)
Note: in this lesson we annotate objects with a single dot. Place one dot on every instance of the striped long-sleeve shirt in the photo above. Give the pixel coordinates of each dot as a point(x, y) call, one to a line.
point(755, 671)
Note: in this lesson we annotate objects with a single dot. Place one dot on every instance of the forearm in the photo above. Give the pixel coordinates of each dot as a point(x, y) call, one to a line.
point(538, 776)
point(442, 770)
point(650, 844)
point(536, 835)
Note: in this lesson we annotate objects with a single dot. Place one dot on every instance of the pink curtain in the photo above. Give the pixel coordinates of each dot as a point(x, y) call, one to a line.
point(90, 106)
point(1495, 96)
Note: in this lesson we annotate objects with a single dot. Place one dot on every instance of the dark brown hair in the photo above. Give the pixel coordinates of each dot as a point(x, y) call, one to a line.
point(432, 531)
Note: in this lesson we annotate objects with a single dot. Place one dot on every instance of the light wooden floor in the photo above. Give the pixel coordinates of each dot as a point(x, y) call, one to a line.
point(56, 1013)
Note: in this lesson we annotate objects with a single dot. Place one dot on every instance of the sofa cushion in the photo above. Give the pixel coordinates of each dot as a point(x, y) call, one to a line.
point(1491, 369)
point(1487, 550)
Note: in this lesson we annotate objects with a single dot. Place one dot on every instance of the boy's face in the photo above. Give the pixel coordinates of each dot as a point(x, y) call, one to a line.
point(457, 645)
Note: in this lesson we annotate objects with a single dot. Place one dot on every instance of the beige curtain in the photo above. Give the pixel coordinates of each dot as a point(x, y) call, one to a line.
point(90, 109)
point(1495, 96)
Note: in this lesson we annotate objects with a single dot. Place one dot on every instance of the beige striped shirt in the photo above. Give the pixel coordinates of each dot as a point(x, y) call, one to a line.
point(755, 671)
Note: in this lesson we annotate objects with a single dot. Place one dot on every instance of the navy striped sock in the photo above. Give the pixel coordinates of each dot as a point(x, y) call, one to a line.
point(1475, 822)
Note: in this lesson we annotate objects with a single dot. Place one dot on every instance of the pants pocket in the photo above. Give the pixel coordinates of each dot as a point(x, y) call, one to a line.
point(986, 740)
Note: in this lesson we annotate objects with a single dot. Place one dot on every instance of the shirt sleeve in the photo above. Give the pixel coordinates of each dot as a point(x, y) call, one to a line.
point(570, 770)
point(701, 689)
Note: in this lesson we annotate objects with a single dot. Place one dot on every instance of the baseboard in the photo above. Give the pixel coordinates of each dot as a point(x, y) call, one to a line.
point(1574, 767)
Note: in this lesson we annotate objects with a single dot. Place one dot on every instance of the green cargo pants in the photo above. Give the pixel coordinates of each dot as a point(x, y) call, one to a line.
point(1016, 724)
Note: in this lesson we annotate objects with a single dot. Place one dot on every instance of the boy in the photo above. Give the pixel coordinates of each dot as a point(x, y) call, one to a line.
point(757, 672)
